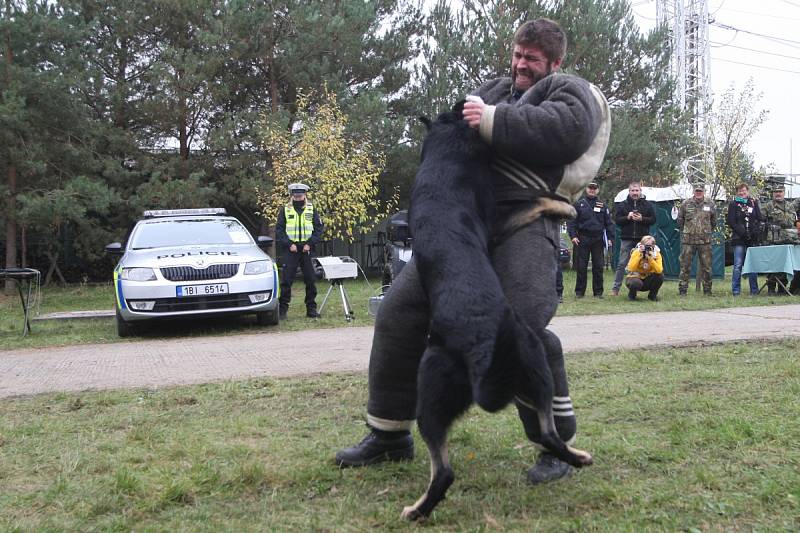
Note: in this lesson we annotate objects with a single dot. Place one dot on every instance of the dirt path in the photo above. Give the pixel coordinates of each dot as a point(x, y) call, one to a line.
point(207, 359)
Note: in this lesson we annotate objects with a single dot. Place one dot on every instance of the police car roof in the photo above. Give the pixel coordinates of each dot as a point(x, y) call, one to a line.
point(156, 213)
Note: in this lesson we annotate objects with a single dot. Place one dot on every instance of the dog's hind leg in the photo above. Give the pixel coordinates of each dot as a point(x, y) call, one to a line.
point(444, 394)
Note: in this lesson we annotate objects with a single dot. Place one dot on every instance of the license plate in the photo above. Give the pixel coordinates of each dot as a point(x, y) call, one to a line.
point(201, 290)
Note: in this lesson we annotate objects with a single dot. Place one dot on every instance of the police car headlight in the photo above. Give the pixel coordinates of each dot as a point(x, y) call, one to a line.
point(138, 274)
point(257, 267)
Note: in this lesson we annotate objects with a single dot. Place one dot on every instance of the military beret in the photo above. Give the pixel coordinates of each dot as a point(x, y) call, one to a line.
point(298, 188)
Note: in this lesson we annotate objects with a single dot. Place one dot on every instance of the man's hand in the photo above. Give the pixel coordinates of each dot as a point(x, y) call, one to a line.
point(637, 216)
point(293, 248)
point(473, 111)
point(306, 248)
point(576, 241)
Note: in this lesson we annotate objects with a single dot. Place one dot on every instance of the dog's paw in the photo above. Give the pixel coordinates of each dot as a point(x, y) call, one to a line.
point(411, 513)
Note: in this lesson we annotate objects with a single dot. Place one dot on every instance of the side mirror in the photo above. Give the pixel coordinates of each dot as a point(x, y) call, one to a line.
point(114, 248)
point(264, 241)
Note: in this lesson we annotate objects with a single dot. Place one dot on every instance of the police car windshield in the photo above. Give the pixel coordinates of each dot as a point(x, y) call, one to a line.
point(168, 233)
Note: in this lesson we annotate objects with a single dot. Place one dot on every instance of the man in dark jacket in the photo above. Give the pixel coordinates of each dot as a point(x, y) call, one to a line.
point(591, 232)
point(745, 220)
point(548, 134)
point(634, 216)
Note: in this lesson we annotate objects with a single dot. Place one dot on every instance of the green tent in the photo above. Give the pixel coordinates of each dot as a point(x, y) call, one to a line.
point(665, 202)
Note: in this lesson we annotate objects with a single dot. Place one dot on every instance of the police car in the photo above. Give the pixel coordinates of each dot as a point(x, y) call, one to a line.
point(191, 262)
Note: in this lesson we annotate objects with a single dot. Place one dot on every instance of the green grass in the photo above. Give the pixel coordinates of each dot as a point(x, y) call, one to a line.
point(690, 439)
point(101, 296)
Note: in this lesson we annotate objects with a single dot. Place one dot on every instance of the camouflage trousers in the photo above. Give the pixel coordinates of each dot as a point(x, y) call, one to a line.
point(703, 252)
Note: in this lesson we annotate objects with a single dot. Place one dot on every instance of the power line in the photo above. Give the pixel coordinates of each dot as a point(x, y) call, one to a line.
point(757, 66)
point(722, 45)
point(787, 42)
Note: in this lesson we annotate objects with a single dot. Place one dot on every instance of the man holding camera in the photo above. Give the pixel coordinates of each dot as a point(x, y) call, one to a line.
point(297, 230)
point(645, 269)
point(591, 232)
point(634, 216)
point(696, 220)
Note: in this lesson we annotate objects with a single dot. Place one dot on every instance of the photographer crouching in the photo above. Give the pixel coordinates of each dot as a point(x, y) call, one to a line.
point(645, 269)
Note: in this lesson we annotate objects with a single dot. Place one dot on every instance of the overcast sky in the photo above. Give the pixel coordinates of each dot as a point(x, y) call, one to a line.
point(766, 47)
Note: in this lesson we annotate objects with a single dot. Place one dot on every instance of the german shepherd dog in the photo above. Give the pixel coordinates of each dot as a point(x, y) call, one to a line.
point(478, 350)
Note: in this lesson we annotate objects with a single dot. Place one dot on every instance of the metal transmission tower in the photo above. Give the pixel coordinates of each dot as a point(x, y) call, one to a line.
point(688, 22)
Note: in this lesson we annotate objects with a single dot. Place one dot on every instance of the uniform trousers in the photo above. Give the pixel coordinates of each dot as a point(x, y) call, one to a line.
point(594, 247)
point(291, 262)
point(704, 257)
point(526, 266)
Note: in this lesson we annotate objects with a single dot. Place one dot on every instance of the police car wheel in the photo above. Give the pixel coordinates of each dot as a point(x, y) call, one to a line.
point(124, 329)
point(267, 318)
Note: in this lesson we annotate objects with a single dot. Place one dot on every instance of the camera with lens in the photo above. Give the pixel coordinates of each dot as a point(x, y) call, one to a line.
point(648, 249)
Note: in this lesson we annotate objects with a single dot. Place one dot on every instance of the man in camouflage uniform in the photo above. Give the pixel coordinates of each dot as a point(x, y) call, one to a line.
point(696, 220)
point(781, 216)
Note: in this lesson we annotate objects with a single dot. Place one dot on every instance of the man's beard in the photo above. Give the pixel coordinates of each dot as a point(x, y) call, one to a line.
point(534, 76)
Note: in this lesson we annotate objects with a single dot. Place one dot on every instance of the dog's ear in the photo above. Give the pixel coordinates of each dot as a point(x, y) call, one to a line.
point(425, 120)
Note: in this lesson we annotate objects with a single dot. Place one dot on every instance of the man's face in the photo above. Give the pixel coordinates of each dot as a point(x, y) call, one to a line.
point(298, 197)
point(591, 192)
point(635, 192)
point(529, 65)
point(778, 195)
point(699, 194)
point(743, 192)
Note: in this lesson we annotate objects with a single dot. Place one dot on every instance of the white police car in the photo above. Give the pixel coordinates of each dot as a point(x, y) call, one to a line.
point(190, 262)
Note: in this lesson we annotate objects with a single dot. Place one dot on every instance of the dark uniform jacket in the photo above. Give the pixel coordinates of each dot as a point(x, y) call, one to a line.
point(593, 218)
point(634, 230)
point(744, 219)
point(697, 220)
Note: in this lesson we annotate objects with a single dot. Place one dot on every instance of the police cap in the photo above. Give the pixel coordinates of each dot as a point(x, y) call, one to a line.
point(298, 188)
point(593, 185)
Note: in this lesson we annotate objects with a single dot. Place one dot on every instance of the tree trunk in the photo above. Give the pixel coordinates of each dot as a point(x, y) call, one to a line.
point(11, 224)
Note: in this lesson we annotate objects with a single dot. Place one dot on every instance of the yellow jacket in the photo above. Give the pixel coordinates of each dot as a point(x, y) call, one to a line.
point(641, 267)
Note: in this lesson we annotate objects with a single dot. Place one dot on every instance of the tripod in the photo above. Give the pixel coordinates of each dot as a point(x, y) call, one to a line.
point(348, 312)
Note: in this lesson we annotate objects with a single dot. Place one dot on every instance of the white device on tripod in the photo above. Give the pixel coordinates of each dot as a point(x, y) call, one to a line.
point(335, 269)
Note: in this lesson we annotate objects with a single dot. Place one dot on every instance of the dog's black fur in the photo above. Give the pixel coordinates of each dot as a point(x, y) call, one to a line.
point(479, 350)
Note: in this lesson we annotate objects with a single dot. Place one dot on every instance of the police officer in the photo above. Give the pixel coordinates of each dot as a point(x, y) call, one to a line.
point(298, 229)
point(780, 215)
point(696, 220)
point(591, 231)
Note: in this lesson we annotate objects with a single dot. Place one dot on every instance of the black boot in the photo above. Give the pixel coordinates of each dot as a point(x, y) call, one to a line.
point(311, 312)
point(376, 447)
point(282, 312)
point(548, 468)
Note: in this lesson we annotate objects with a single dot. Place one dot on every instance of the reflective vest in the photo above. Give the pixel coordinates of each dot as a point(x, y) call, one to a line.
point(299, 227)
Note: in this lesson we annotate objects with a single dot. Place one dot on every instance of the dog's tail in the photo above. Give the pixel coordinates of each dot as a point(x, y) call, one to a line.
point(519, 367)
